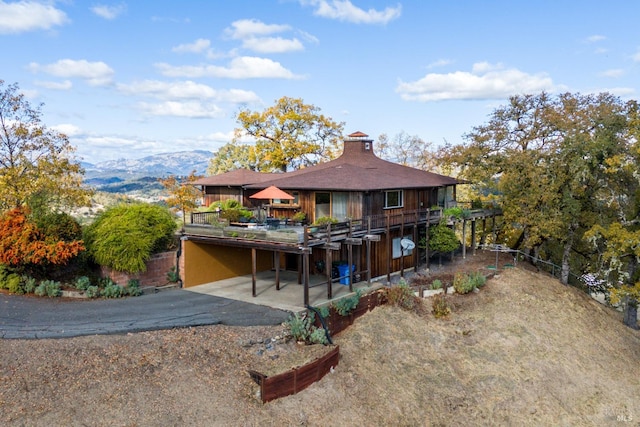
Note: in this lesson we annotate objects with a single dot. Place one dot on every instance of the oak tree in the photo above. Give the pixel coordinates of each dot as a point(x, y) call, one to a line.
point(183, 196)
point(289, 135)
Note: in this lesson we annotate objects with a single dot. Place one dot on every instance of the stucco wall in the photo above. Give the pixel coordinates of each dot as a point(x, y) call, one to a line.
point(203, 263)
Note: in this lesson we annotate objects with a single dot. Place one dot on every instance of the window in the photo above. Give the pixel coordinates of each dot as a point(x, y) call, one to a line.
point(294, 202)
point(393, 199)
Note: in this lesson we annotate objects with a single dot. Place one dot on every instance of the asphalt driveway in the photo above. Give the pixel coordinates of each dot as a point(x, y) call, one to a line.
point(34, 317)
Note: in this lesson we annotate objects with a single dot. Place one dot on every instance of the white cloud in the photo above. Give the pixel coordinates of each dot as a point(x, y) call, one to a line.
point(27, 15)
point(248, 28)
point(255, 34)
point(109, 12)
point(187, 90)
point(486, 81)
point(614, 73)
point(65, 85)
point(68, 129)
point(243, 67)
point(95, 73)
point(595, 38)
point(197, 46)
point(439, 63)
point(272, 45)
point(344, 10)
point(189, 109)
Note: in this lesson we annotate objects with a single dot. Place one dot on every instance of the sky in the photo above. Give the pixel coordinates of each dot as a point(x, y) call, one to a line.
point(129, 79)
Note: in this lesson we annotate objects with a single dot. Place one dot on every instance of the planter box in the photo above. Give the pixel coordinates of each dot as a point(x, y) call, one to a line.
point(284, 236)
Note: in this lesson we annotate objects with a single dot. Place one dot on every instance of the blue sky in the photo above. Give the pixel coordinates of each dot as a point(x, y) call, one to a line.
point(133, 78)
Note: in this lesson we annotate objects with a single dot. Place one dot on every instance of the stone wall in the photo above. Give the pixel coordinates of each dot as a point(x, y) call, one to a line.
point(156, 275)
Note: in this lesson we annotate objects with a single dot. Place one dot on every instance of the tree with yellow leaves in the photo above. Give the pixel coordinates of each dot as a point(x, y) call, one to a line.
point(35, 159)
point(183, 196)
point(289, 135)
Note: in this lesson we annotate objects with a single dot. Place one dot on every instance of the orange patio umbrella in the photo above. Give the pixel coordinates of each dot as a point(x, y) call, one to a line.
point(272, 192)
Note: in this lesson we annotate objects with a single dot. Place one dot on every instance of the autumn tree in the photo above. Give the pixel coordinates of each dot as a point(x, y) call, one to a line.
point(617, 238)
point(232, 156)
point(34, 158)
point(24, 246)
point(289, 135)
point(183, 195)
point(541, 157)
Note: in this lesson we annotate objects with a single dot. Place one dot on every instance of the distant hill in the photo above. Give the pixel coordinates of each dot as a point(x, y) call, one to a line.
point(180, 163)
point(138, 178)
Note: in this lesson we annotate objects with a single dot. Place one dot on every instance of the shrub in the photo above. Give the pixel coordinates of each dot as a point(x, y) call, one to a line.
point(478, 279)
point(133, 288)
point(82, 283)
point(463, 284)
point(440, 306)
point(401, 296)
point(112, 290)
point(125, 236)
point(324, 220)
point(92, 291)
point(172, 275)
point(48, 288)
point(319, 336)
point(300, 326)
point(13, 284)
point(28, 284)
point(436, 284)
point(346, 305)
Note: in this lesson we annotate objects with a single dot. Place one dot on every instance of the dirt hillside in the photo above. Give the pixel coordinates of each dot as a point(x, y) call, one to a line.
point(525, 350)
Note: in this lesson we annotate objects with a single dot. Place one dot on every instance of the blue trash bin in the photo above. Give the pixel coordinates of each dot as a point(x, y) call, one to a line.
point(343, 269)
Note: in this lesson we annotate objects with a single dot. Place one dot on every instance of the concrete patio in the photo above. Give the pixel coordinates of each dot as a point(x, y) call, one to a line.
point(290, 297)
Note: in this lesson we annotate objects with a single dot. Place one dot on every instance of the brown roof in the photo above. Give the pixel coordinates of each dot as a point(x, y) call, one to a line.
point(238, 177)
point(357, 169)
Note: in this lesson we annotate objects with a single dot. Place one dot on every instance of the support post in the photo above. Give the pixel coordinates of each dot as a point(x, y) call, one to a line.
point(253, 272)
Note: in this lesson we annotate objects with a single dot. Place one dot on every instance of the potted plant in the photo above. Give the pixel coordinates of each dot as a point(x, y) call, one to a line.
point(299, 217)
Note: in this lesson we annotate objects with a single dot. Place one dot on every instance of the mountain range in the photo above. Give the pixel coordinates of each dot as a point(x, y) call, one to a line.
point(180, 163)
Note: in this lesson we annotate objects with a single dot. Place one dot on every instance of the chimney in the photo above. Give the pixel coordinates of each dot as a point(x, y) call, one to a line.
point(358, 143)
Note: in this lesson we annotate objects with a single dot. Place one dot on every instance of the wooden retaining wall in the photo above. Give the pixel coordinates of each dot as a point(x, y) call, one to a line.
point(296, 379)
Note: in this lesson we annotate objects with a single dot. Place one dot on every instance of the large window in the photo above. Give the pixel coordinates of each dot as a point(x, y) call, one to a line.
point(393, 199)
point(332, 204)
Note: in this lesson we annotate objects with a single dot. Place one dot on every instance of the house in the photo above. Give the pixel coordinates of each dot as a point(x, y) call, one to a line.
point(381, 208)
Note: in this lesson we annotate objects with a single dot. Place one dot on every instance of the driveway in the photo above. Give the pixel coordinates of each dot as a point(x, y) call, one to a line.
point(34, 317)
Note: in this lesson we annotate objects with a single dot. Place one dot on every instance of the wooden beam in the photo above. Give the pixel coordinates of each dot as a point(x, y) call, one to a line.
point(332, 246)
point(276, 262)
point(353, 241)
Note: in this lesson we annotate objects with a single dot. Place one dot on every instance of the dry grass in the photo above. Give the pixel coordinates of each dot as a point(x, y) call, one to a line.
point(525, 350)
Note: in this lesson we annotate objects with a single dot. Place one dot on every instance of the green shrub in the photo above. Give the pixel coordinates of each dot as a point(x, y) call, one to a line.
point(103, 282)
point(462, 283)
point(4, 273)
point(13, 284)
point(49, 288)
point(133, 288)
point(436, 284)
point(346, 305)
point(440, 306)
point(478, 279)
point(172, 275)
point(112, 290)
point(28, 284)
point(82, 283)
point(319, 336)
point(125, 236)
point(92, 291)
point(324, 220)
point(442, 238)
point(300, 326)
